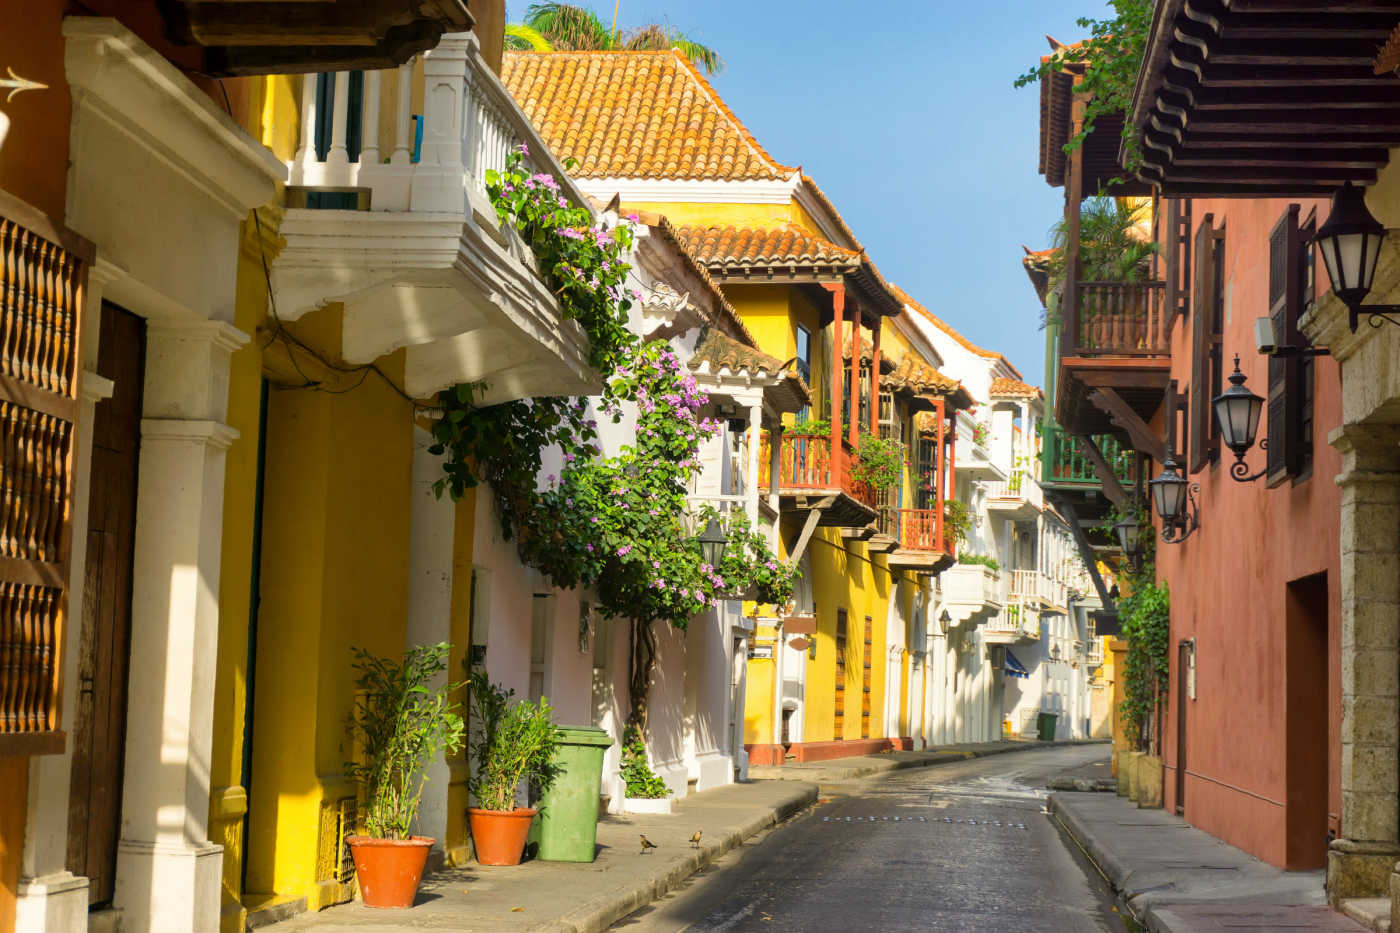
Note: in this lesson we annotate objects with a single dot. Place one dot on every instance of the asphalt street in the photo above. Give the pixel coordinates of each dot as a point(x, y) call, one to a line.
point(964, 846)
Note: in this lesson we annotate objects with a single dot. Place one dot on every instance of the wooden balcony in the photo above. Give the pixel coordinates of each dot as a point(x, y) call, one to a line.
point(921, 541)
point(809, 477)
point(1064, 465)
point(1114, 354)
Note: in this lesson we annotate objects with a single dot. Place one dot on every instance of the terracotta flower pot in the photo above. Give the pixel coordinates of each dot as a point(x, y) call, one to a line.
point(389, 869)
point(499, 835)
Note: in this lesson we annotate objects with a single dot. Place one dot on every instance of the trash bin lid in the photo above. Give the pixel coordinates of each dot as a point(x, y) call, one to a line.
point(583, 735)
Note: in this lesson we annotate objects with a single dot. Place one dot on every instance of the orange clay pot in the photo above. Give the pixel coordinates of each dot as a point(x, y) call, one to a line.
point(389, 869)
point(499, 835)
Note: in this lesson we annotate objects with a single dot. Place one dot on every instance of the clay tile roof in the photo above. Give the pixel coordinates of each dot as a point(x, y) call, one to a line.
point(786, 245)
point(867, 353)
point(635, 115)
point(915, 375)
point(938, 322)
point(723, 352)
point(825, 201)
point(1013, 388)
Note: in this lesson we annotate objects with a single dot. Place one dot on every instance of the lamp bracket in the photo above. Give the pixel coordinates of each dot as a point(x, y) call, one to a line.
point(1289, 350)
point(1374, 315)
point(1178, 531)
point(1239, 472)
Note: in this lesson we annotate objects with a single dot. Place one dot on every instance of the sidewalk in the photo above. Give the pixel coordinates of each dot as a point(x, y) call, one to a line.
point(1172, 877)
point(580, 897)
point(839, 770)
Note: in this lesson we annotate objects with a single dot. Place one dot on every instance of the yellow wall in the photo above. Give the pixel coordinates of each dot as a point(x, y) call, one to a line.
point(335, 544)
point(758, 692)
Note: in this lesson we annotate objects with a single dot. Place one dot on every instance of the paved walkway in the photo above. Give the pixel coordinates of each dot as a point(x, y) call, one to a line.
point(1173, 877)
point(840, 770)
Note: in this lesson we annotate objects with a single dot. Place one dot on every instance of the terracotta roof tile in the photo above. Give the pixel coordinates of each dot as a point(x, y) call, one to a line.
point(1013, 388)
point(787, 245)
point(635, 115)
point(721, 352)
point(915, 375)
point(938, 322)
point(867, 353)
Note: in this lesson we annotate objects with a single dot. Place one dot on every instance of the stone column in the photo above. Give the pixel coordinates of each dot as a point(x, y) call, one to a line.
point(1361, 862)
point(168, 871)
point(429, 619)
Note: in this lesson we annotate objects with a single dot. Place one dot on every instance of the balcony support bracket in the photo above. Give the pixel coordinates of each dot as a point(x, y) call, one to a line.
point(1086, 552)
point(1111, 487)
point(1111, 403)
point(814, 516)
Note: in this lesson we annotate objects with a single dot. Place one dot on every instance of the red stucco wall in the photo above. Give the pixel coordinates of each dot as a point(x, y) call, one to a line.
point(1229, 587)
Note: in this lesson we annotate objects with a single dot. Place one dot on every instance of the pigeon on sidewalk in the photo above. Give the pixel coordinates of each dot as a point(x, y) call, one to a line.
point(646, 843)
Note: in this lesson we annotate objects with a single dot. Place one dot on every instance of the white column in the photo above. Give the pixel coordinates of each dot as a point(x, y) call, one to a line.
point(306, 152)
point(168, 872)
point(369, 126)
point(439, 177)
point(403, 117)
point(50, 898)
point(779, 649)
point(429, 620)
point(751, 468)
point(339, 154)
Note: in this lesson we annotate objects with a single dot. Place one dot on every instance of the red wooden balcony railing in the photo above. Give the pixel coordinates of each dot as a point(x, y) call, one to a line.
point(805, 462)
point(1119, 319)
point(916, 529)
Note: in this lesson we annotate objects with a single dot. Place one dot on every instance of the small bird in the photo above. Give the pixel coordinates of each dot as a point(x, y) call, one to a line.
point(646, 843)
point(695, 840)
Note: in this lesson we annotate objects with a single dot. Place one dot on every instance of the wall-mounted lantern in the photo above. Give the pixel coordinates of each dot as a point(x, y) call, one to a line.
point(712, 543)
point(1237, 413)
point(1175, 499)
point(1350, 243)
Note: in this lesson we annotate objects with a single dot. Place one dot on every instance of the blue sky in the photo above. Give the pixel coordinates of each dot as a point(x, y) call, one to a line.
point(907, 119)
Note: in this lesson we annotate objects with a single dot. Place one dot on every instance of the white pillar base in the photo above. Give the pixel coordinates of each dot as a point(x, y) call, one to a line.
point(169, 887)
point(56, 903)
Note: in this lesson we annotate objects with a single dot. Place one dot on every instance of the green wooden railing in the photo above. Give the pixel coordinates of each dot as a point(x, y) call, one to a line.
point(1063, 464)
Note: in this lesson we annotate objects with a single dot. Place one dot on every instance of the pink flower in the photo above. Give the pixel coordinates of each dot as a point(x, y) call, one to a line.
point(622, 551)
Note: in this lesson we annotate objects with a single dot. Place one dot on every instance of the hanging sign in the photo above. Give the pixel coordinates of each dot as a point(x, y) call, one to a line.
point(799, 644)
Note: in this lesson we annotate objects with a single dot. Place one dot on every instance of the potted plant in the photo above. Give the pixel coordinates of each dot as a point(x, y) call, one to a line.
point(399, 722)
point(510, 743)
point(646, 792)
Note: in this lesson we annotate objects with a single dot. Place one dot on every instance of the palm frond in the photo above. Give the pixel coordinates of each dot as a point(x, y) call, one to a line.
point(569, 27)
point(701, 54)
point(522, 38)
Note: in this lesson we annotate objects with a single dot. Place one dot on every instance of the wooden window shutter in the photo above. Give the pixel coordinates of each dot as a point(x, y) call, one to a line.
point(1284, 300)
point(1202, 300)
point(1177, 242)
point(43, 271)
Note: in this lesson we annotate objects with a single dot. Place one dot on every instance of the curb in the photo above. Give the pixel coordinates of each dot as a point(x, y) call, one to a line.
point(935, 757)
point(602, 912)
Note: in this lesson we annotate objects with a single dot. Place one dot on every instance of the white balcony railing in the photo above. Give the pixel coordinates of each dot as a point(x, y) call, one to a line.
point(1034, 587)
point(469, 124)
point(972, 458)
point(1095, 653)
point(972, 589)
point(1016, 491)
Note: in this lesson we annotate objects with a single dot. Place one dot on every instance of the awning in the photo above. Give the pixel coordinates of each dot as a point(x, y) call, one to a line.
point(1014, 667)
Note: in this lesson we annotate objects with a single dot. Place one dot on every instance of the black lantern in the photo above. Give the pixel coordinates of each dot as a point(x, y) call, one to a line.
point(712, 543)
point(1174, 498)
point(1237, 413)
point(1350, 243)
point(1130, 533)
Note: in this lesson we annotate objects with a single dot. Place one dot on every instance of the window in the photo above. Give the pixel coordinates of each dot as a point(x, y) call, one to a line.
point(1177, 237)
point(1306, 364)
point(804, 366)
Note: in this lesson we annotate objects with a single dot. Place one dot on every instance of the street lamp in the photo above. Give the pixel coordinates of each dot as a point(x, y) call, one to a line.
point(1175, 500)
point(1237, 413)
point(712, 543)
point(1350, 243)
point(1130, 533)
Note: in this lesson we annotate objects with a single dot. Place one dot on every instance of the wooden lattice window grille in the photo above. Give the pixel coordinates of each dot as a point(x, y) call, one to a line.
point(43, 273)
point(333, 859)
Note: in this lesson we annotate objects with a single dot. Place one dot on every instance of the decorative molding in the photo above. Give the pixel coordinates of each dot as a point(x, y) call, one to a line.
point(220, 334)
point(95, 388)
point(180, 430)
point(116, 76)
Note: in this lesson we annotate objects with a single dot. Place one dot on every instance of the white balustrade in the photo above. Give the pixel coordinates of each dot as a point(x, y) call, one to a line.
point(469, 125)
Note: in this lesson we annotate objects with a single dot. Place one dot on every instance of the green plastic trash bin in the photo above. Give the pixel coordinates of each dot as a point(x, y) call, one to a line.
point(1046, 724)
point(568, 820)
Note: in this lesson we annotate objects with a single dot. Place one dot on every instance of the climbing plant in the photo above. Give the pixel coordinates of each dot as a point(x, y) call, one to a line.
point(1111, 57)
point(618, 525)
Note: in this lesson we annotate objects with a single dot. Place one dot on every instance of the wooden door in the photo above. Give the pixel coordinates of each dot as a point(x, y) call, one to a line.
point(94, 806)
point(865, 680)
point(840, 732)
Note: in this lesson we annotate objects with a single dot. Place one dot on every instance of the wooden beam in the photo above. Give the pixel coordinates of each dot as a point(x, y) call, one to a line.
point(814, 518)
point(1122, 414)
point(1111, 487)
point(1086, 552)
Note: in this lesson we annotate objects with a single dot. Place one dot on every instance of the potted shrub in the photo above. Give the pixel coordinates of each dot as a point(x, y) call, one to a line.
point(645, 791)
point(510, 743)
point(400, 722)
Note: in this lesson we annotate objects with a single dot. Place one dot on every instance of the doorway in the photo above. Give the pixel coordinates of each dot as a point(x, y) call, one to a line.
point(865, 682)
point(99, 730)
point(840, 731)
point(1183, 690)
point(1307, 721)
